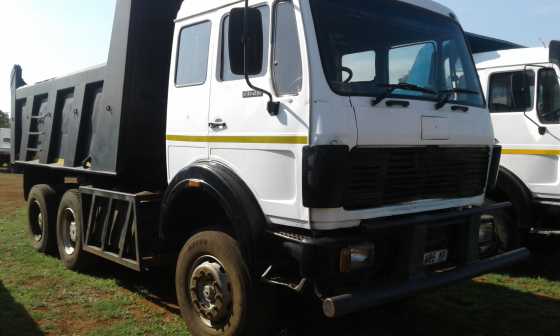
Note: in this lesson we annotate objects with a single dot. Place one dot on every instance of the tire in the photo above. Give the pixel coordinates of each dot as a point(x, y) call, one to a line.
point(507, 236)
point(214, 255)
point(41, 217)
point(69, 226)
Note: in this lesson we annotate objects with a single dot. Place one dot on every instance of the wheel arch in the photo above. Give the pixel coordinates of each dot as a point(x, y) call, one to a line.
point(37, 176)
point(204, 186)
point(512, 189)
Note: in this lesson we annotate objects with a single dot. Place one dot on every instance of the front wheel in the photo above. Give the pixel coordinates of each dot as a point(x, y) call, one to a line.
point(214, 288)
point(498, 232)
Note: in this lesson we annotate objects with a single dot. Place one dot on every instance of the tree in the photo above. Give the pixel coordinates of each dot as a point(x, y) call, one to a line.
point(4, 120)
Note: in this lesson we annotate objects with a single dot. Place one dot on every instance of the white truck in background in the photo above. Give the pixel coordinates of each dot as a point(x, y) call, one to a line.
point(5, 146)
point(523, 93)
point(271, 144)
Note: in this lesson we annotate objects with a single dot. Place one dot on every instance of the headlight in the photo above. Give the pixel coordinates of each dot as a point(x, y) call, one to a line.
point(357, 257)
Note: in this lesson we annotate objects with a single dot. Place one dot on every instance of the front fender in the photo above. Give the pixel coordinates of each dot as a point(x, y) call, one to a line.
point(218, 181)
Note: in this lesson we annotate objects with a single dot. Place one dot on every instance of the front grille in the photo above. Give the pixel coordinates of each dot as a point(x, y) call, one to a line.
point(389, 176)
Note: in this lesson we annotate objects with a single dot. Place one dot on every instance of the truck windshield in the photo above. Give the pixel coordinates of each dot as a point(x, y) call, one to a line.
point(367, 46)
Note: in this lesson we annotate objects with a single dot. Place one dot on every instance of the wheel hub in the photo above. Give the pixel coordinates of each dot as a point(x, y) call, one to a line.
point(40, 224)
point(37, 221)
point(210, 291)
point(70, 232)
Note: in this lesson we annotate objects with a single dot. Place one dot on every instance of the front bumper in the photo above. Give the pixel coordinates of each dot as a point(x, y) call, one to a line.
point(401, 244)
point(344, 304)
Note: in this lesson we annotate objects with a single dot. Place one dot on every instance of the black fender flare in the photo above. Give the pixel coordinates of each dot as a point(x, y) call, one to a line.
point(230, 191)
point(518, 194)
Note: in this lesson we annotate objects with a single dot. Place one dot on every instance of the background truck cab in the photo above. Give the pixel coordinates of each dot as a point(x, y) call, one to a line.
point(523, 92)
point(5, 145)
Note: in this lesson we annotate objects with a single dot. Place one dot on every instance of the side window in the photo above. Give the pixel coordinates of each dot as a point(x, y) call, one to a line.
point(192, 58)
point(225, 69)
point(361, 66)
point(507, 92)
point(548, 106)
point(287, 67)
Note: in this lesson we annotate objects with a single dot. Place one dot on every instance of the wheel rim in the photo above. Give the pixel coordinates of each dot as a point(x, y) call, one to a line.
point(494, 241)
point(210, 291)
point(69, 231)
point(37, 221)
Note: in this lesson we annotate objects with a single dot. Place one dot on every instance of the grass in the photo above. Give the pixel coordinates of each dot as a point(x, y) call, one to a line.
point(39, 297)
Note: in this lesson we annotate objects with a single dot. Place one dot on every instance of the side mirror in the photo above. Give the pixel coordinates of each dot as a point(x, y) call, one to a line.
point(521, 90)
point(555, 52)
point(245, 45)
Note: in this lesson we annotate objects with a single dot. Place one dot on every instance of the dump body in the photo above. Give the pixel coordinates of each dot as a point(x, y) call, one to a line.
point(107, 120)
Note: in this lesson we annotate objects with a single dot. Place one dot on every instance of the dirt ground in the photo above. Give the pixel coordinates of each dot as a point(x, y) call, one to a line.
point(11, 195)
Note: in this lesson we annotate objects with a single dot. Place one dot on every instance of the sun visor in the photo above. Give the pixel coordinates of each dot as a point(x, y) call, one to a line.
point(555, 52)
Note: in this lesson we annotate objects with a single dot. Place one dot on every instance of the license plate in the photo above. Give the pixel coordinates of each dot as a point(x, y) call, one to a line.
point(435, 257)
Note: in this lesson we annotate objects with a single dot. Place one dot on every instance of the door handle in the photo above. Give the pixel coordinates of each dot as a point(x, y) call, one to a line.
point(217, 124)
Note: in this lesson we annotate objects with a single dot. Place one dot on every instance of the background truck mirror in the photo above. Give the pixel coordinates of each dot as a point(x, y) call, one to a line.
point(555, 52)
point(521, 91)
point(246, 61)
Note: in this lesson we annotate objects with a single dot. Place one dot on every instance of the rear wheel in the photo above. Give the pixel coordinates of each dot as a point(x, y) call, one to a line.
point(41, 212)
point(69, 228)
point(215, 291)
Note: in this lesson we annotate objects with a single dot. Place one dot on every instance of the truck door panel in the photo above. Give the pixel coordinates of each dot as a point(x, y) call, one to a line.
point(245, 136)
point(189, 91)
point(526, 151)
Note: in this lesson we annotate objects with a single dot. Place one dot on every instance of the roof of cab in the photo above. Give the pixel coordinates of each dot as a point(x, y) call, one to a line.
point(512, 57)
point(191, 8)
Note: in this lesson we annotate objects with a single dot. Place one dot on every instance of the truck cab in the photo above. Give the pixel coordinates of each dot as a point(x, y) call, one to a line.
point(5, 145)
point(341, 150)
point(325, 80)
point(523, 92)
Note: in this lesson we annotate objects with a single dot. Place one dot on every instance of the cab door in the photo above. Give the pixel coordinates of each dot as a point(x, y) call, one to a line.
point(527, 132)
point(189, 93)
point(264, 150)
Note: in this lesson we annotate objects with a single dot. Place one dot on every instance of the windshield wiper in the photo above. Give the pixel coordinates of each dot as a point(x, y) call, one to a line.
point(445, 96)
point(402, 86)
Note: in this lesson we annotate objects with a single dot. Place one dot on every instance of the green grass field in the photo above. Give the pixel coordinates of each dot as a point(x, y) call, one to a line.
point(39, 297)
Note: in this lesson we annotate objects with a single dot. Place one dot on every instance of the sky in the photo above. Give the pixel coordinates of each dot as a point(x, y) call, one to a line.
point(49, 38)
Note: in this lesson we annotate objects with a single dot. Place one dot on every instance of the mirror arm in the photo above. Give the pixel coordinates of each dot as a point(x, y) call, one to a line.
point(542, 129)
point(272, 107)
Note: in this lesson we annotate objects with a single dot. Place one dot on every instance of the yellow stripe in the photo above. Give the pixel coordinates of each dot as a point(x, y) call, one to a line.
point(296, 140)
point(545, 152)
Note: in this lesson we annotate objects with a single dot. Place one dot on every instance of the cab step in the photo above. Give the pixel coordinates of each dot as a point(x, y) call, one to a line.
point(119, 226)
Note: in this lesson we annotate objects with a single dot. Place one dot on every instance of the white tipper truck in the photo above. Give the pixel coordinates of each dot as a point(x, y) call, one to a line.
point(340, 149)
point(522, 87)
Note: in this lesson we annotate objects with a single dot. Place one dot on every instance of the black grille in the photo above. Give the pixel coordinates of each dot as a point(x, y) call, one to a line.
point(389, 176)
